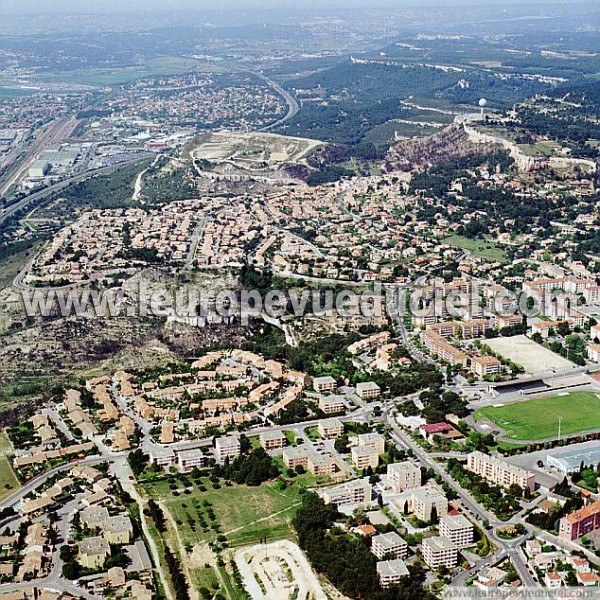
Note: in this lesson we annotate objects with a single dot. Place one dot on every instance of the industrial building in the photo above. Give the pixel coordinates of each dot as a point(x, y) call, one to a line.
point(569, 460)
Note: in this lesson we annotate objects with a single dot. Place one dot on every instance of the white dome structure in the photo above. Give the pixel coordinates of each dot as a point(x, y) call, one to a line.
point(482, 105)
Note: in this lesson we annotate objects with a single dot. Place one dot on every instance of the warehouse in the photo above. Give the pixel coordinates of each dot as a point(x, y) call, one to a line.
point(569, 460)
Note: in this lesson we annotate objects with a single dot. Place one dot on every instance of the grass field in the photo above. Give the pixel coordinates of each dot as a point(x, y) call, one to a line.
point(169, 65)
point(538, 419)
point(482, 248)
point(244, 514)
point(8, 479)
point(7, 93)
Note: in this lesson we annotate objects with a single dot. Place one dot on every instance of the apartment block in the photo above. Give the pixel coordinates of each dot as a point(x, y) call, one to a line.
point(364, 457)
point(438, 345)
point(324, 384)
point(294, 456)
point(372, 440)
point(368, 390)
point(322, 464)
point(508, 321)
point(499, 472)
point(391, 572)
point(318, 463)
point(580, 522)
point(227, 447)
point(332, 404)
point(190, 459)
point(439, 550)
point(458, 529)
point(330, 428)
point(463, 329)
point(404, 476)
point(421, 502)
point(162, 457)
point(486, 365)
point(272, 440)
point(357, 491)
point(592, 294)
point(389, 544)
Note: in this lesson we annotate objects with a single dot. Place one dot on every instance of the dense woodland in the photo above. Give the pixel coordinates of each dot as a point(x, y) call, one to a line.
point(346, 560)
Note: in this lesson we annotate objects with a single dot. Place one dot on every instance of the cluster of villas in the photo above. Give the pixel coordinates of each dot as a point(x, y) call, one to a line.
point(91, 524)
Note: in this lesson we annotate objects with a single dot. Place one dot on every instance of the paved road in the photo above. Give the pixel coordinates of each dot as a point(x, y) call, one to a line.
point(53, 132)
point(38, 481)
point(477, 512)
point(293, 107)
point(58, 187)
point(196, 237)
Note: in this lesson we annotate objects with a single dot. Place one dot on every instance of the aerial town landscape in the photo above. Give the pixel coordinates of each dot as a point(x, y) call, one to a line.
point(299, 304)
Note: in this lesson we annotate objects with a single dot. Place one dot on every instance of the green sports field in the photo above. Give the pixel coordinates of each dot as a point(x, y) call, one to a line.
point(538, 419)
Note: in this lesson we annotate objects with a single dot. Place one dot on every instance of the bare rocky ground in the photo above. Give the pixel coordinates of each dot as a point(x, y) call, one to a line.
point(56, 350)
point(86, 346)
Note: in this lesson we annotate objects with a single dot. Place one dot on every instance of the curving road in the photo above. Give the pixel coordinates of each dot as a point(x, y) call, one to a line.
point(58, 187)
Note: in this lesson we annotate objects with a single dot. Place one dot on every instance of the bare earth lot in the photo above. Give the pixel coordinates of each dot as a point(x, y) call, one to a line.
point(253, 148)
point(278, 570)
point(533, 357)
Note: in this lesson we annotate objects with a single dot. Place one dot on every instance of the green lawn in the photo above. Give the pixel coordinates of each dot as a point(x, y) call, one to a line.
point(482, 248)
point(244, 514)
point(538, 419)
point(9, 93)
point(6, 447)
point(8, 480)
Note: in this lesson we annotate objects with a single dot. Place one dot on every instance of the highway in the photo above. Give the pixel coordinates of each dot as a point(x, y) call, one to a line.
point(58, 187)
point(293, 107)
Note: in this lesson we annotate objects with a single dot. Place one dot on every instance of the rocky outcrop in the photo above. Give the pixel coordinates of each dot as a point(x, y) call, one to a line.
point(449, 145)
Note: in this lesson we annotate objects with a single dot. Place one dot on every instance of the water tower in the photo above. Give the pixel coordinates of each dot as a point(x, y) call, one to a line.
point(482, 105)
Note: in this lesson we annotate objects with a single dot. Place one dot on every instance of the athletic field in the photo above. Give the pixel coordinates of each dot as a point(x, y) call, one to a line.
point(538, 419)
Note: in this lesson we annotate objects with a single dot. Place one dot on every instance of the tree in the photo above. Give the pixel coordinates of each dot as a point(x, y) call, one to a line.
point(138, 461)
point(434, 515)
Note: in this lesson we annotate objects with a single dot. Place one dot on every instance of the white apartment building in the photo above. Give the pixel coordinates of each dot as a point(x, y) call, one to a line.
point(592, 294)
point(162, 457)
point(500, 472)
point(458, 529)
point(404, 476)
point(439, 550)
point(421, 502)
point(593, 352)
point(227, 447)
point(364, 457)
point(391, 572)
point(372, 440)
point(357, 491)
point(188, 459)
point(389, 544)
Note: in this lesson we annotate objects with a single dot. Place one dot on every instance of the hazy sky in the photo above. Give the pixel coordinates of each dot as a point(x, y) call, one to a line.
point(97, 6)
